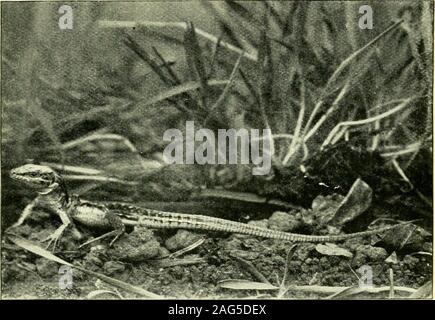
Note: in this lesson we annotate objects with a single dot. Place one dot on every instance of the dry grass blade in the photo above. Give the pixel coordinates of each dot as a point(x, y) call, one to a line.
point(170, 93)
point(224, 95)
point(167, 263)
point(187, 249)
point(391, 278)
point(109, 136)
point(195, 61)
point(214, 56)
point(32, 247)
point(73, 169)
point(402, 150)
point(334, 292)
point(346, 62)
point(94, 294)
point(245, 285)
point(179, 25)
point(329, 88)
point(337, 131)
point(411, 185)
point(243, 196)
point(345, 292)
point(167, 65)
point(401, 173)
point(239, 31)
point(232, 195)
point(134, 46)
point(273, 12)
point(424, 292)
point(60, 91)
point(309, 132)
point(282, 288)
point(248, 266)
point(99, 179)
point(240, 10)
point(296, 141)
point(176, 80)
point(251, 88)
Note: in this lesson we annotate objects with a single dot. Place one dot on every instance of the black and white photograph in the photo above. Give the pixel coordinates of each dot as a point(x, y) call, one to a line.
point(217, 150)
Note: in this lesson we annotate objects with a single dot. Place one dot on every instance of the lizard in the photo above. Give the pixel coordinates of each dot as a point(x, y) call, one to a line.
point(115, 216)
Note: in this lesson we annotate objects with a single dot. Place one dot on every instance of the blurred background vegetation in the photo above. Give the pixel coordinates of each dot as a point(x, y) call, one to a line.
point(99, 97)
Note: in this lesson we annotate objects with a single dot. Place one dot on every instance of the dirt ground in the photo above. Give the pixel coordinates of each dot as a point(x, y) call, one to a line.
point(141, 258)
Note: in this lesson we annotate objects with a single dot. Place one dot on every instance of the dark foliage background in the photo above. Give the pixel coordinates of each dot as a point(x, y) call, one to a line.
point(58, 86)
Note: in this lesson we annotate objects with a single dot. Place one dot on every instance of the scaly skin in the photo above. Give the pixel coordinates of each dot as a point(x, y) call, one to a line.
point(171, 220)
point(54, 194)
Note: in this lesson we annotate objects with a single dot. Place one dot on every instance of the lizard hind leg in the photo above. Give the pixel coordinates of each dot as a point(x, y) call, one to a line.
point(116, 223)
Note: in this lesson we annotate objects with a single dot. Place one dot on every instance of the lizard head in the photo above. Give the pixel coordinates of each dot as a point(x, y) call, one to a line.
point(40, 178)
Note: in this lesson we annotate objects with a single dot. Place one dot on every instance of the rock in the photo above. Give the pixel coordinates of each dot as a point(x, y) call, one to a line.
point(96, 256)
point(163, 252)
point(259, 223)
point(410, 236)
point(324, 208)
point(357, 200)
point(283, 221)
point(47, 268)
point(140, 245)
point(376, 253)
point(247, 255)
point(368, 253)
point(146, 251)
point(141, 235)
point(181, 239)
point(303, 251)
point(411, 261)
point(113, 267)
point(392, 259)
point(427, 247)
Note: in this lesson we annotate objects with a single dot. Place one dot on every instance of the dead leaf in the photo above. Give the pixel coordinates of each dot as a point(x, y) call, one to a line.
point(357, 200)
point(392, 258)
point(331, 249)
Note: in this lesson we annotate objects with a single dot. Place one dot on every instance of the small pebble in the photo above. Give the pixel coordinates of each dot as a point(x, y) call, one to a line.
point(181, 239)
point(283, 221)
point(113, 267)
point(47, 268)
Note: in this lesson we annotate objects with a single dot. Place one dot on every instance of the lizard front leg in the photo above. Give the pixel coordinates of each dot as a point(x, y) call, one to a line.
point(54, 238)
point(28, 210)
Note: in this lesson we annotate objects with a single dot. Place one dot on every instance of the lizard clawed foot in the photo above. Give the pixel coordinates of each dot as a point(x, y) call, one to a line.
point(54, 238)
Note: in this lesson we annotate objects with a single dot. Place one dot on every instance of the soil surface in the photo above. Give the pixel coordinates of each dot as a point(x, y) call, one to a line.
point(144, 258)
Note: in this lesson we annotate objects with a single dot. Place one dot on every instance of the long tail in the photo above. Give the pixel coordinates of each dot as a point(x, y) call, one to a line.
point(160, 219)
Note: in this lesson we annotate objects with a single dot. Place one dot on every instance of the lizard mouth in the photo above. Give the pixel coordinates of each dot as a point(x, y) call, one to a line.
point(15, 176)
point(18, 177)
